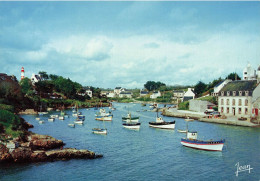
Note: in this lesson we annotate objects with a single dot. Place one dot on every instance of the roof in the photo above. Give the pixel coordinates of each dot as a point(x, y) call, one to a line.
point(180, 91)
point(186, 98)
point(144, 92)
point(125, 93)
point(118, 88)
point(219, 83)
point(240, 85)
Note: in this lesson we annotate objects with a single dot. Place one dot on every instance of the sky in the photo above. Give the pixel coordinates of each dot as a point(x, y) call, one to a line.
point(126, 44)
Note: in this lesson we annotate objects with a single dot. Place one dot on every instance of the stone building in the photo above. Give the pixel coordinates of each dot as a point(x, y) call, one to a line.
point(236, 98)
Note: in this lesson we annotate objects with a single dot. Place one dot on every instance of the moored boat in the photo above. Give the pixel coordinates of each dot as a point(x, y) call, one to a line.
point(209, 145)
point(51, 119)
point(128, 117)
point(78, 121)
point(160, 123)
point(99, 130)
point(182, 131)
point(71, 125)
point(131, 125)
point(104, 118)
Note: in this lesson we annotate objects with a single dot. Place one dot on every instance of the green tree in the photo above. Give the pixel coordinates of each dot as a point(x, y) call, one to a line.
point(44, 75)
point(152, 85)
point(233, 76)
point(199, 88)
point(26, 85)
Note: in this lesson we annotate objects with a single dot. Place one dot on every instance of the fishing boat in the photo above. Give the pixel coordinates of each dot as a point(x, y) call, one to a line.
point(192, 141)
point(102, 112)
point(160, 123)
point(71, 125)
point(41, 122)
point(38, 119)
point(51, 119)
point(128, 117)
point(131, 125)
point(104, 118)
point(78, 121)
point(99, 131)
point(54, 116)
point(61, 117)
point(182, 131)
point(209, 145)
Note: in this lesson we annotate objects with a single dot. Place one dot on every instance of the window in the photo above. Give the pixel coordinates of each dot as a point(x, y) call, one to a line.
point(227, 101)
point(246, 93)
point(228, 110)
point(239, 110)
point(222, 109)
point(233, 102)
point(246, 111)
point(234, 93)
point(246, 102)
point(239, 102)
point(222, 93)
point(228, 93)
point(240, 93)
point(222, 101)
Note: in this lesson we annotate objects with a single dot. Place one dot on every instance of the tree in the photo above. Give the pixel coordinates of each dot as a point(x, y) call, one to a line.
point(233, 76)
point(26, 85)
point(200, 87)
point(44, 75)
point(151, 85)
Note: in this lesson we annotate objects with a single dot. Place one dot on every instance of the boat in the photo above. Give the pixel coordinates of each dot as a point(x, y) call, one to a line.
point(38, 119)
point(192, 141)
point(99, 130)
point(131, 125)
point(102, 112)
point(61, 117)
point(41, 122)
point(54, 116)
point(130, 118)
point(104, 118)
point(51, 119)
point(182, 131)
point(78, 121)
point(143, 104)
point(160, 123)
point(71, 125)
point(209, 145)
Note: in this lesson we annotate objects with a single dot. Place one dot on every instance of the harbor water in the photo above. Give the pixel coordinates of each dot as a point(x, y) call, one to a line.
point(146, 154)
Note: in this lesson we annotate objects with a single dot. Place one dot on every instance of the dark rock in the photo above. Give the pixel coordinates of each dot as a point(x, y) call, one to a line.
point(21, 154)
point(44, 142)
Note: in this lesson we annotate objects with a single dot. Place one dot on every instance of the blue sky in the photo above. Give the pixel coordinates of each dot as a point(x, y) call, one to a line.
point(109, 44)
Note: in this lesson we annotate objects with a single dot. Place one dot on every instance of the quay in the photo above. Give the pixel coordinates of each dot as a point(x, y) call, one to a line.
point(199, 116)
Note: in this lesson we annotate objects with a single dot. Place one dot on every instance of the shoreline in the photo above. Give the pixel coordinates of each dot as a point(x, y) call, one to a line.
point(202, 118)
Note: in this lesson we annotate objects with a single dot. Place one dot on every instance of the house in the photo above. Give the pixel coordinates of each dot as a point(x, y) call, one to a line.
point(110, 94)
point(35, 78)
point(219, 86)
point(155, 94)
point(117, 90)
point(200, 105)
point(236, 97)
point(143, 93)
point(178, 95)
point(125, 94)
point(89, 92)
point(249, 73)
point(189, 95)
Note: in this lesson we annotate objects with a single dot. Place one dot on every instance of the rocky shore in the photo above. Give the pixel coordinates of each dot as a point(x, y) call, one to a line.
point(40, 148)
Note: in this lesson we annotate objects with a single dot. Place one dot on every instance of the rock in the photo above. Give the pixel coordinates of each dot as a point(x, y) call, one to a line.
point(44, 142)
point(5, 156)
point(21, 154)
point(39, 156)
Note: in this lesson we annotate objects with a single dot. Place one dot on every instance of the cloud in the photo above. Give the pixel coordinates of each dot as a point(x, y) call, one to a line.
point(151, 45)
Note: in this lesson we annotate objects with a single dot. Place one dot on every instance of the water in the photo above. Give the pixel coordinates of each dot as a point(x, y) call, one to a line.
point(147, 154)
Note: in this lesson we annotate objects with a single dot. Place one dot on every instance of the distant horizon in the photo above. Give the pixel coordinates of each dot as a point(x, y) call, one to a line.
point(113, 43)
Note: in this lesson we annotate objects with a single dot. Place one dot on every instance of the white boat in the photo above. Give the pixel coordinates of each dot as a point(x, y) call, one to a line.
point(209, 145)
point(102, 112)
point(104, 118)
point(54, 116)
point(130, 118)
point(182, 131)
point(99, 131)
point(51, 119)
point(38, 119)
point(41, 122)
point(131, 125)
point(61, 117)
point(71, 125)
point(160, 123)
point(79, 121)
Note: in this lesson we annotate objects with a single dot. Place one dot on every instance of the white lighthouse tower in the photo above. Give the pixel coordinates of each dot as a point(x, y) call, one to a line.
point(22, 73)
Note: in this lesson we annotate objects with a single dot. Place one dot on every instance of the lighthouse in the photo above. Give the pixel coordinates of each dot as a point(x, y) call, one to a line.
point(22, 73)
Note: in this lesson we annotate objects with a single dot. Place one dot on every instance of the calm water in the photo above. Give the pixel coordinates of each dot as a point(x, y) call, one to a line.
point(147, 154)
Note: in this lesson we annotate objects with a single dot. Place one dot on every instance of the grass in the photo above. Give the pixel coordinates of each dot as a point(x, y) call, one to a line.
point(183, 105)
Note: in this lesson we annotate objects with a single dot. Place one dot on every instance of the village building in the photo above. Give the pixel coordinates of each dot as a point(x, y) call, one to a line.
point(143, 93)
point(249, 73)
point(237, 97)
point(125, 94)
point(189, 95)
point(35, 78)
point(89, 92)
point(117, 90)
point(178, 95)
point(155, 94)
point(219, 86)
point(200, 105)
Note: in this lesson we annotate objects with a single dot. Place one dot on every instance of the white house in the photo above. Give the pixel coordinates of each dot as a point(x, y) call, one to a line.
point(125, 94)
point(143, 93)
point(249, 73)
point(117, 90)
point(35, 78)
point(219, 86)
point(89, 92)
point(110, 94)
point(155, 94)
point(189, 95)
point(236, 98)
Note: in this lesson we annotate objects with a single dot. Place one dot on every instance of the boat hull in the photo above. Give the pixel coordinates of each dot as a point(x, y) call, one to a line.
point(204, 145)
point(163, 125)
point(104, 118)
point(99, 131)
point(132, 126)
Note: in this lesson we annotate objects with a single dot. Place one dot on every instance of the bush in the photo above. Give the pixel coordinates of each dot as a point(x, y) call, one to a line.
point(183, 105)
point(7, 107)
